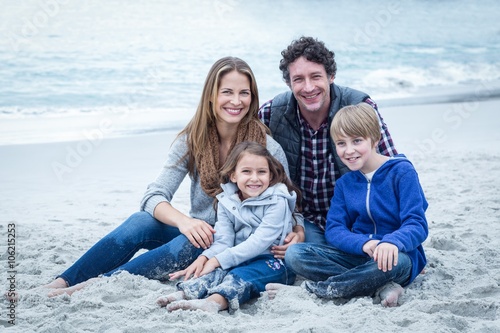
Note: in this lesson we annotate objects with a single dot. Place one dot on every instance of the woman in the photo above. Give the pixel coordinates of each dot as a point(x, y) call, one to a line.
point(226, 115)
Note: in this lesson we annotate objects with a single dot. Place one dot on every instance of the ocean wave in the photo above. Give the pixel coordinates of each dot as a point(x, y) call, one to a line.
point(22, 126)
point(406, 81)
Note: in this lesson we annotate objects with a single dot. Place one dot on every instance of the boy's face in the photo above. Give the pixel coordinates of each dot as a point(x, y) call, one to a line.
point(357, 153)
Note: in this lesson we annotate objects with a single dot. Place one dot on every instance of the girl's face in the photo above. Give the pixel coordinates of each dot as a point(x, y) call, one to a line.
point(357, 153)
point(233, 98)
point(251, 175)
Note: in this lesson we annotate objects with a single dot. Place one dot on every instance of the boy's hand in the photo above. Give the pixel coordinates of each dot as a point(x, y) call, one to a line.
point(369, 247)
point(386, 256)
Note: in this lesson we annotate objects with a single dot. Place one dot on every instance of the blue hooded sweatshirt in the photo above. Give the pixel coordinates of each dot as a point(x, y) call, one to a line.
point(390, 208)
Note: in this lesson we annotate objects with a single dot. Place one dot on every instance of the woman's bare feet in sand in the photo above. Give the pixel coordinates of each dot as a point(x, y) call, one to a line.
point(195, 304)
point(69, 290)
point(173, 297)
point(57, 284)
point(12, 296)
point(389, 294)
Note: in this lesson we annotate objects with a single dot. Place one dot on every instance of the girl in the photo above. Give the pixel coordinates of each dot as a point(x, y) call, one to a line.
point(226, 115)
point(254, 213)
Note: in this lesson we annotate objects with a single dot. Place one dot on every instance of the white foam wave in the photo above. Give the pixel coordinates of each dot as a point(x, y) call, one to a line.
point(404, 81)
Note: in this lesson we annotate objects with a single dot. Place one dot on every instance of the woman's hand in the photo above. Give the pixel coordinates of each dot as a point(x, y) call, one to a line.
point(198, 232)
point(193, 270)
point(296, 236)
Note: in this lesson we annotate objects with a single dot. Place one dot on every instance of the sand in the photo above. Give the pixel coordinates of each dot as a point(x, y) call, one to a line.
point(60, 198)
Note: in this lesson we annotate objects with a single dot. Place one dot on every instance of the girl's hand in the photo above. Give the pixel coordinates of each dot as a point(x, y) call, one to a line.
point(192, 270)
point(386, 255)
point(369, 247)
point(296, 236)
point(198, 232)
point(209, 266)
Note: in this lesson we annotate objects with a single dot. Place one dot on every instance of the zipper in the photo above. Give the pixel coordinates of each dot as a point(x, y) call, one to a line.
point(368, 207)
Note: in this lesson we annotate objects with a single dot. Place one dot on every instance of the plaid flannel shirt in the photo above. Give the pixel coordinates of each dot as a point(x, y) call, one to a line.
point(317, 164)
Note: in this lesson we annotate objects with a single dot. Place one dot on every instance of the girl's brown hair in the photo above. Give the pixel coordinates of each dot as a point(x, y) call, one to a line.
point(276, 169)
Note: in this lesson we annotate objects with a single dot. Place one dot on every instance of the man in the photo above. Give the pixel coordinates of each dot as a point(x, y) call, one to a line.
point(300, 121)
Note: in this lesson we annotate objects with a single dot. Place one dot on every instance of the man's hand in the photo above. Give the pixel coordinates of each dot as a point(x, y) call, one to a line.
point(296, 236)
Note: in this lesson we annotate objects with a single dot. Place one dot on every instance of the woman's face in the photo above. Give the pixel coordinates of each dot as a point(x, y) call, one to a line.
point(233, 98)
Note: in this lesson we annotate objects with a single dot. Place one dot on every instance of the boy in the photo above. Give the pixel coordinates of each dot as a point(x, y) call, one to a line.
point(376, 222)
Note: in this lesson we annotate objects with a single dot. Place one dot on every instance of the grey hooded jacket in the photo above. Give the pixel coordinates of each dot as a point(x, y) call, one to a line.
point(246, 229)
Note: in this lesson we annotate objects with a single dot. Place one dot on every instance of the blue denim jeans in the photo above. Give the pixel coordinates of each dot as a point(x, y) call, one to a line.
point(314, 234)
point(241, 283)
point(169, 251)
point(336, 274)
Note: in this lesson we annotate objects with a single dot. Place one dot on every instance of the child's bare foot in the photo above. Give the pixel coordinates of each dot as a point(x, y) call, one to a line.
point(273, 288)
point(195, 304)
point(389, 294)
point(164, 301)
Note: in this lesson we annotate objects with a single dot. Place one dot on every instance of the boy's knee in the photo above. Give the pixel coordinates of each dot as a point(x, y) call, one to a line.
point(293, 255)
point(290, 253)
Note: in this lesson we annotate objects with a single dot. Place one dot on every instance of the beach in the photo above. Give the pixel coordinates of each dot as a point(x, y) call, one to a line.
point(93, 93)
point(59, 198)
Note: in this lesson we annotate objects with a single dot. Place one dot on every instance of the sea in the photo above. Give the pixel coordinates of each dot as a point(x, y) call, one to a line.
point(70, 69)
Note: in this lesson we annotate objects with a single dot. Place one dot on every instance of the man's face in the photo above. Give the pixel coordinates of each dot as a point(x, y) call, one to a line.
point(310, 85)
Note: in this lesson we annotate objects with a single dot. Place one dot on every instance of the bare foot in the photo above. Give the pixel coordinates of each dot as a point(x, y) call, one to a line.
point(61, 291)
point(273, 288)
point(12, 296)
point(390, 293)
point(195, 304)
point(57, 284)
point(70, 290)
point(164, 301)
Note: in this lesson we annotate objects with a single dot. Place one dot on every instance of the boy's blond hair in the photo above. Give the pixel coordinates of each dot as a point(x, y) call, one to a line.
point(358, 120)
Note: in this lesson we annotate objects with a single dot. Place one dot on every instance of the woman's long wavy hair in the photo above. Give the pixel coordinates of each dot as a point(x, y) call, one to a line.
point(197, 130)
